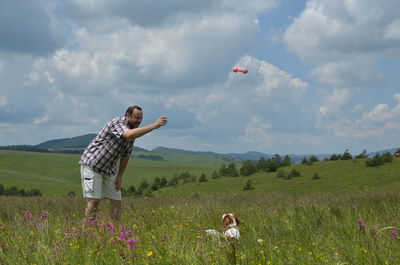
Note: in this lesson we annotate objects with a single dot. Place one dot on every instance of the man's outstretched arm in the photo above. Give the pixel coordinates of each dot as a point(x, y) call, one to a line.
point(137, 132)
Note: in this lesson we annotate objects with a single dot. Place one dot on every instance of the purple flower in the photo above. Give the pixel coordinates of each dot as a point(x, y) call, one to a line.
point(111, 233)
point(44, 216)
point(110, 226)
point(131, 241)
point(395, 235)
point(361, 225)
point(129, 233)
point(28, 215)
point(121, 237)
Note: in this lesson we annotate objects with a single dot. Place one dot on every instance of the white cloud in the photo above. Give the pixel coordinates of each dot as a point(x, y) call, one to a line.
point(392, 31)
point(3, 101)
point(256, 132)
point(344, 39)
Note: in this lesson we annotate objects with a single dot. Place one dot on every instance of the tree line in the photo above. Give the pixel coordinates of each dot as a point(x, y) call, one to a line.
point(14, 191)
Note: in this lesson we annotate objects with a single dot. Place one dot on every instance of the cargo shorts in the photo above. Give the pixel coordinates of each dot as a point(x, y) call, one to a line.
point(98, 186)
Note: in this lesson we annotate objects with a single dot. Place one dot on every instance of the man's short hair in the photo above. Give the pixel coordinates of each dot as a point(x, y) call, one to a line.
point(131, 109)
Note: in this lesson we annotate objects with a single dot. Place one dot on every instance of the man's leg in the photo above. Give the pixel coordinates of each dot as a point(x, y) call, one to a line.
point(90, 211)
point(115, 210)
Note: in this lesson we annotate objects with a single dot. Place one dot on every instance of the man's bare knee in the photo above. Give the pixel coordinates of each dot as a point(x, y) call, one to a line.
point(91, 207)
point(115, 209)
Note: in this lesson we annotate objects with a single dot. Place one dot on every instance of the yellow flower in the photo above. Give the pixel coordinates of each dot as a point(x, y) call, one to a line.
point(150, 253)
point(32, 233)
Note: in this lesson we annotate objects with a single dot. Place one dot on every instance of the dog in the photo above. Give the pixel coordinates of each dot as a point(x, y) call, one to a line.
point(230, 228)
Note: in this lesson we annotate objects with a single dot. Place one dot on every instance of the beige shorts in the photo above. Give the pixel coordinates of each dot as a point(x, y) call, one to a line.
point(98, 186)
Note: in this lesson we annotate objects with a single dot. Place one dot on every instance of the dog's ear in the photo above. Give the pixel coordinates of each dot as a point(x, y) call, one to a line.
point(236, 218)
point(225, 221)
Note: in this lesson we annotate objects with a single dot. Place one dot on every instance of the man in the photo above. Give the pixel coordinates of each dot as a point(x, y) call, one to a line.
point(100, 180)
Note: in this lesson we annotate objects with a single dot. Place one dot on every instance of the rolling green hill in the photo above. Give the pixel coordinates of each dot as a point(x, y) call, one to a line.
point(58, 174)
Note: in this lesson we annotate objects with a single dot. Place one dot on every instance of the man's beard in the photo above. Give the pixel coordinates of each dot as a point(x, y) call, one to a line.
point(133, 125)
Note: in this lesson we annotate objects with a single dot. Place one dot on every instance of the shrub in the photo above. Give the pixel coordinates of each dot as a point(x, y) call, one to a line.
point(248, 168)
point(203, 178)
point(316, 176)
point(294, 173)
point(215, 174)
point(282, 174)
point(248, 186)
point(313, 159)
point(375, 161)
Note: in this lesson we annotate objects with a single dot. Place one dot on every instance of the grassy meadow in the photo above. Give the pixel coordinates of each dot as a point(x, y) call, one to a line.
point(276, 228)
point(57, 174)
point(348, 216)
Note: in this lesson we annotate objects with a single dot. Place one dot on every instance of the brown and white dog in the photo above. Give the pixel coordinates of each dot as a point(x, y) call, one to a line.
point(230, 228)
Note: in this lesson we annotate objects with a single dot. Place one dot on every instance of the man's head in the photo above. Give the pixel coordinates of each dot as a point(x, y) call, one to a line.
point(134, 116)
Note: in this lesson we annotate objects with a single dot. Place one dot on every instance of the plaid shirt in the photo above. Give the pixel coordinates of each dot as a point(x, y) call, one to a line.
point(104, 151)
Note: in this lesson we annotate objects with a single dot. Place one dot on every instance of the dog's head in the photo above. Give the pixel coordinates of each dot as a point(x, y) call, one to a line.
point(229, 219)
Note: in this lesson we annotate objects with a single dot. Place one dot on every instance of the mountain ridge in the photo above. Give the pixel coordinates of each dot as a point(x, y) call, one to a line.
point(80, 142)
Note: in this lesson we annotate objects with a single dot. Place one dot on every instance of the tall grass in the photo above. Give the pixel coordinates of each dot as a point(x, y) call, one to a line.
point(278, 228)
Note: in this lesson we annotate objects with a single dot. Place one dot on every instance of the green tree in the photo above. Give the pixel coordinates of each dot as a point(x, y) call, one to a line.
point(215, 174)
point(262, 164)
point(223, 171)
point(157, 181)
point(248, 186)
point(316, 176)
point(248, 168)
point(282, 174)
point(294, 173)
point(13, 191)
point(334, 157)
point(131, 190)
point(286, 161)
point(363, 155)
point(346, 155)
point(387, 157)
point(375, 161)
point(174, 181)
point(154, 186)
point(144, 185)
point(203, 178)
point(163, 182)
point(232, 171)
point(313, 159)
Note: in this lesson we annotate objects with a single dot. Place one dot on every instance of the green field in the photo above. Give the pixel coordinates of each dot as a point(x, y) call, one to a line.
point(58, 174)
point(348, 216)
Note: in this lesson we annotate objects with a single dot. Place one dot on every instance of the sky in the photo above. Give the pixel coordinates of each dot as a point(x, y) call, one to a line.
point(322, 74)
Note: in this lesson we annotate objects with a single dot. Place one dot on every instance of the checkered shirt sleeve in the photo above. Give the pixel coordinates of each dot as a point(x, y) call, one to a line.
point(107, 147)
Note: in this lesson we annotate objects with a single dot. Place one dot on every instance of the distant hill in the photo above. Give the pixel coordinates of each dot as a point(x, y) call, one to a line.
point(74, 142)
point(162, 149)
point(392, 151)
point(78, 143)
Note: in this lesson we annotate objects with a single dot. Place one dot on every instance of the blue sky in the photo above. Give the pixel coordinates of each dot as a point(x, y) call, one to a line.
point(323, 74)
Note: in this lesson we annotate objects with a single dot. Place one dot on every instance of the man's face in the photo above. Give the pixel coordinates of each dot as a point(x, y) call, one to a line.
point(135, 119)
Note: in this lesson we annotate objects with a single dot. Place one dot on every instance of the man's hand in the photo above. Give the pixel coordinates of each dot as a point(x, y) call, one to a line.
point(118, 182)
point(160, 122)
